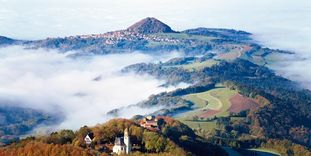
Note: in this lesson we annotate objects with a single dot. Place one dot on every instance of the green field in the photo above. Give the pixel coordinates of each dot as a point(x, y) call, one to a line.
point(231, 55)
point(205, 125)
point(215, 99)
point(153, 44)
point(185, 36)
point(195, 65)
point(179, 36)
point(223, 95)
point(200, 65)
point(200, 124)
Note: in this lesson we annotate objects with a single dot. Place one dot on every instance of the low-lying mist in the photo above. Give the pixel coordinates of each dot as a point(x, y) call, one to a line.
point(295, 67)
point(82, 89)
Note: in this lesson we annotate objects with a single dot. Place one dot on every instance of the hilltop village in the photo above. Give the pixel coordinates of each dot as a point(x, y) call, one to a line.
point(112, 38)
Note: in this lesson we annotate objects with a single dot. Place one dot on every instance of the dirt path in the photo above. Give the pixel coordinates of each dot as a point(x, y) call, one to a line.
point(218, 107)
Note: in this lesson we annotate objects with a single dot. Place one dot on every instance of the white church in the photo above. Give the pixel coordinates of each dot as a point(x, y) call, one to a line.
point(122, 145)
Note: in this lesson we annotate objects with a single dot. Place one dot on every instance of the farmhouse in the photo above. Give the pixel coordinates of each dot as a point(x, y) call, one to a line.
point(150, 122)
point(122, 145)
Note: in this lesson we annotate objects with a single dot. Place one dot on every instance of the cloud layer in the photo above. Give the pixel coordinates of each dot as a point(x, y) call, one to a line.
point(296, 68)
point(82, 88)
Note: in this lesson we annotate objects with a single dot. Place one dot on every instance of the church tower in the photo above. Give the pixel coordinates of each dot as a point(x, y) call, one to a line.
point(127, 142)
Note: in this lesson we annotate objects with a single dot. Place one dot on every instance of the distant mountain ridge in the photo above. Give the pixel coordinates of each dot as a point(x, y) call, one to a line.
point(148, 35)
point(5, 40)
point(150, 25)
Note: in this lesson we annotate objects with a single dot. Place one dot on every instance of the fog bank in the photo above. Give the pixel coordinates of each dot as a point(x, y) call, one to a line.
point(83, 88)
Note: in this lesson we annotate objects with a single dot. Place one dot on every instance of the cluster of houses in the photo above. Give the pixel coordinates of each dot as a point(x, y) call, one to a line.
point(115, 36)
point(150, 122)
point(122, 145)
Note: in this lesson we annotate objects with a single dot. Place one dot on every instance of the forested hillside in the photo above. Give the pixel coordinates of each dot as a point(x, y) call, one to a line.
point(173, 138)
point(18, 120)
point(285, 109)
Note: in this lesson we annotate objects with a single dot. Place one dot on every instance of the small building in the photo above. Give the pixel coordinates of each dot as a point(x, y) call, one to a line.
point(122, 145)
point(89, 138)
point(150, 122)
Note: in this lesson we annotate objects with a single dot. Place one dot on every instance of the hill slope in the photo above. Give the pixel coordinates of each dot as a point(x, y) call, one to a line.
point(284, 111)
point(173, 138)
point(150, 25)
point(6, 40)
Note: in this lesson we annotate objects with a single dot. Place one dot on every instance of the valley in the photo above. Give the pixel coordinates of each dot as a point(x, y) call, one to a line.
point(232, 102)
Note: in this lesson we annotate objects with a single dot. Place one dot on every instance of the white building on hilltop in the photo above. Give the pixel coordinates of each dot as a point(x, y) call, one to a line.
point(89, 138)
point(122, 145)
